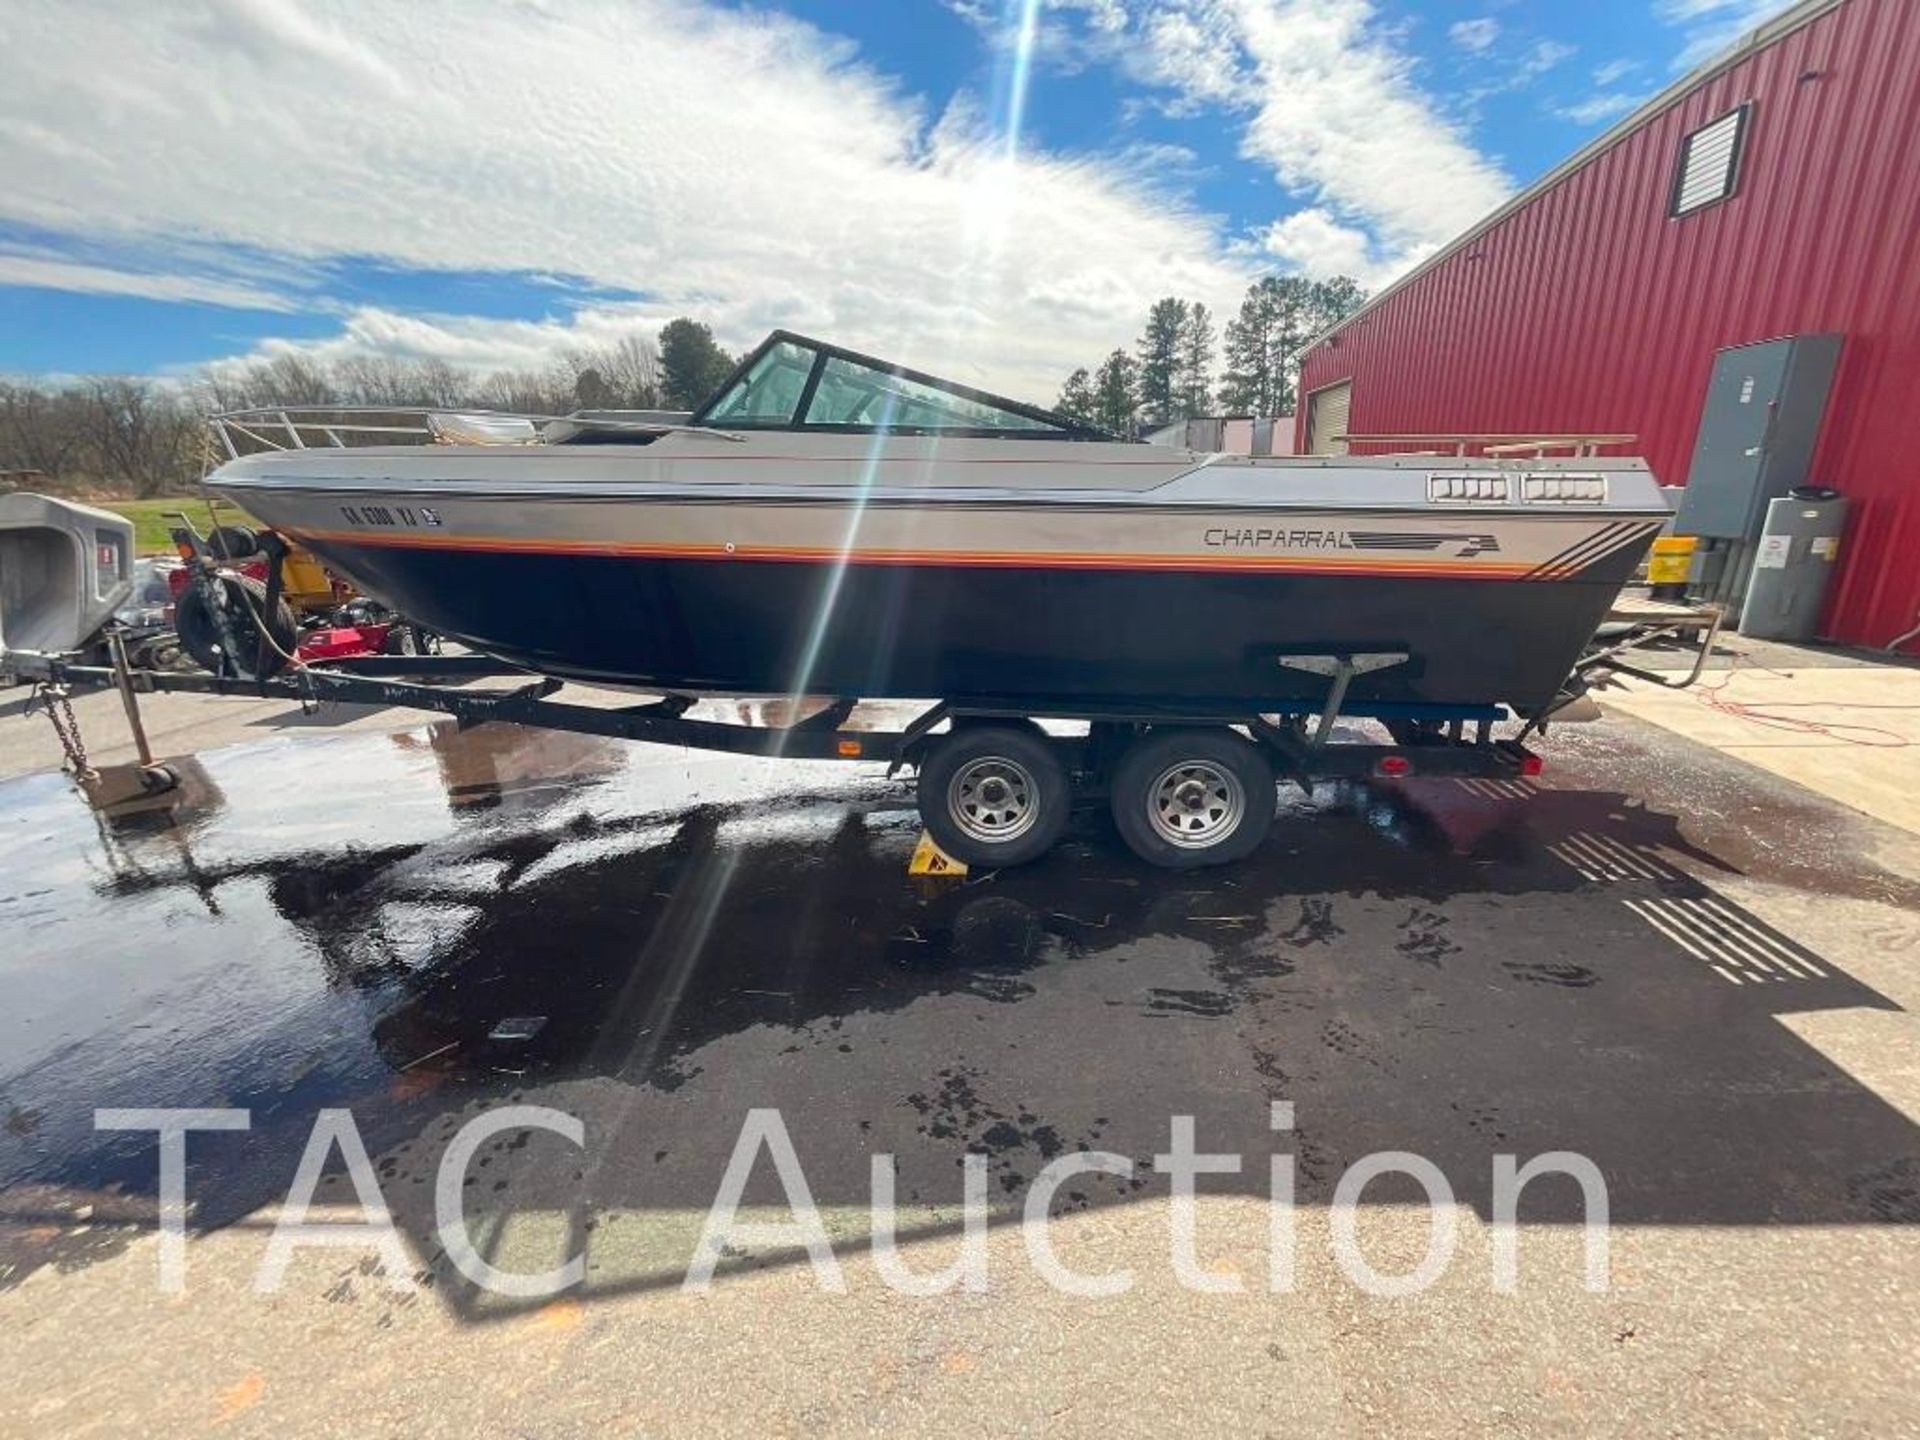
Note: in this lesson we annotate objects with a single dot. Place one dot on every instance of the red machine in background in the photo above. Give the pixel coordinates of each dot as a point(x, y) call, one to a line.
point(275, 603)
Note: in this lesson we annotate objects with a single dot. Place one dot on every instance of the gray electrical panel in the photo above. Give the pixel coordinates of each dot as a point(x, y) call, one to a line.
point(1792, 565)
point(1757, 433)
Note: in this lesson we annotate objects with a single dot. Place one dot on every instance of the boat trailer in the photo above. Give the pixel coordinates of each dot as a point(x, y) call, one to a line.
point(991, 799)
point(1188, 784)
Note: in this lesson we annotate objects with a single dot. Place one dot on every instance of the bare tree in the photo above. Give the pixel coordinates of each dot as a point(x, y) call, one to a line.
point(147, 436)
point(139, 432)
point(40, 429)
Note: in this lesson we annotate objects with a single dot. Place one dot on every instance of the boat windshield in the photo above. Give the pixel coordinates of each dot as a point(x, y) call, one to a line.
point(767, 393)
point(792, 383)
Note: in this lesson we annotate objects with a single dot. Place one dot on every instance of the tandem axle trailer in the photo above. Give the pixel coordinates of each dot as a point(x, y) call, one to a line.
point(1188, 786)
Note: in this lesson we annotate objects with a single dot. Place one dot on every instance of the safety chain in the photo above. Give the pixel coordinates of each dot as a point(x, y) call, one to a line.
point(60, 712)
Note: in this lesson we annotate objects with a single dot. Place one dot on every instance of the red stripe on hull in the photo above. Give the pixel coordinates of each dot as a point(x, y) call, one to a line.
point(1438, 569)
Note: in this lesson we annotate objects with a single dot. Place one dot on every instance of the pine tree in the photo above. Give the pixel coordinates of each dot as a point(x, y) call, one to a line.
point(1258, 339)
point(1264, 341)
point(1116, 392)
point(691, 364)
point(1160, 388)
point(1196, 361)
point(1076, 397)
point(1331, 301)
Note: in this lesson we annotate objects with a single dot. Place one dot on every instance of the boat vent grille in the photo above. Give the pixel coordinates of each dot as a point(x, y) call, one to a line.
point(1468, 489)
point(1565, 489)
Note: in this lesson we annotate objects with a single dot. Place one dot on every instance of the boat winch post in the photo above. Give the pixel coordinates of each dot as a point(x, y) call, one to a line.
point(1340, 669)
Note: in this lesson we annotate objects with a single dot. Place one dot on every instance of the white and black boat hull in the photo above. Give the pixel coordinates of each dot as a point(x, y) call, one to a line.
point(1211, 641)
point(1186, 592)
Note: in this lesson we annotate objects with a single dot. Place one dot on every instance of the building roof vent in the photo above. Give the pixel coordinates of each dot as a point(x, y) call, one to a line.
point(1710, 162)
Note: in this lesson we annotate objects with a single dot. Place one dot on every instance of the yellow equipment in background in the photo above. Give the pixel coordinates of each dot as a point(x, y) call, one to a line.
point(306, 585)
point(1670, 565)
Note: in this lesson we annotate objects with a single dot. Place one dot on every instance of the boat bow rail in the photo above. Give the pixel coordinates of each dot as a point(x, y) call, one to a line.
point(235, 433)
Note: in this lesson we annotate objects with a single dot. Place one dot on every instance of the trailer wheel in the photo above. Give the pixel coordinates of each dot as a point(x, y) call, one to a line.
point(234, 542)
point(245, 602)
point(994, 795)
point(402, 639)
point(1186, 798)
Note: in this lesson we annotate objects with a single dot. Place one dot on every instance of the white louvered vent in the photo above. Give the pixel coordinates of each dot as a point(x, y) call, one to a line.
point(1467, 489)
point(1556, 488)
point(1710, 162)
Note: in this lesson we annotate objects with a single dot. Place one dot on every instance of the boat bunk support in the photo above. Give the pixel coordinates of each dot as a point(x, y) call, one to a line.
point(1179, 758)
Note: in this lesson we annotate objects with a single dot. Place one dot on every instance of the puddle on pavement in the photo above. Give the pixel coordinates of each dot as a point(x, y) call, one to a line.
point(420, 886)
point(433, 915)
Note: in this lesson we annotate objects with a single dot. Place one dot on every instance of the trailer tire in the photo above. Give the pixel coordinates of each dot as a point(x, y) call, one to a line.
point(1186, 798)
point(402, 639)
point(245, 600)
point(233, 542)
point(994, 795)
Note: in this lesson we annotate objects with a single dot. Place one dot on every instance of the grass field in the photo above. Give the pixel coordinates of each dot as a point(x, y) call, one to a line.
point(151, 525)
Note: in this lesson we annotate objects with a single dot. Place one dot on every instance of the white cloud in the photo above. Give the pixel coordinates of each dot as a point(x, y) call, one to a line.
point(731, 163)
point(1614, 70)
point(1334, 108)
point(1674, 12)
point(58, 274)
point(1712, 25)
point(473, 342)
point(1543, 56)
point(1194, 50)
point(1341, 119)
point(1606, 105)
point(1476, 34)
point(734, 164)
point(1315, 243)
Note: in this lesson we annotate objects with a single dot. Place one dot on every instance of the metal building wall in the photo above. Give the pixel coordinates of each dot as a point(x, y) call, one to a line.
point(1587, 309)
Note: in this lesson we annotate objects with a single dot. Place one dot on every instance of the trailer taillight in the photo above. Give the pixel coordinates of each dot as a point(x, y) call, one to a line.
point(1393, 766)
point(1532, 765)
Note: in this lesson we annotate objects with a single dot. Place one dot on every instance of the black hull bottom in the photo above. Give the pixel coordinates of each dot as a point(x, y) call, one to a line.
point(1213, 640)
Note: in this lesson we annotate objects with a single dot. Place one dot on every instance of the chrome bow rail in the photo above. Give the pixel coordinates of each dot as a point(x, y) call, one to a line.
point(304, 427)
point(234, 433)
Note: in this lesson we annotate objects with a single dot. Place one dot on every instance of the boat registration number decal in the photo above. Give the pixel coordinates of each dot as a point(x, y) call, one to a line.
point(388, 516)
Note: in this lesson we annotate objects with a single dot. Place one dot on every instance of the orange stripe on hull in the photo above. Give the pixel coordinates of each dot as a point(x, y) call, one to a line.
point(1038, 560)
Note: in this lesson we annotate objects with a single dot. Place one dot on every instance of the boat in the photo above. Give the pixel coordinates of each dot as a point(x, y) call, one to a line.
point(833, 524)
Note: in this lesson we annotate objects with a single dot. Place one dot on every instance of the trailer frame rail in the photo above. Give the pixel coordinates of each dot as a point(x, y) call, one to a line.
point(1452, 740)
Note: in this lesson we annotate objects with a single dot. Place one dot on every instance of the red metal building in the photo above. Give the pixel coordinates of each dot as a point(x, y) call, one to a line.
point(1594, 302)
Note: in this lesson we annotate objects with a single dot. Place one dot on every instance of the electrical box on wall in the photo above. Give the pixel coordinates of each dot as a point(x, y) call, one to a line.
point(1757, 433)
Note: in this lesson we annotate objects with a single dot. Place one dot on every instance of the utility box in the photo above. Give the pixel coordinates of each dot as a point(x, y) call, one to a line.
point(1757, 432)
point(64, 569)
point(1792, 565)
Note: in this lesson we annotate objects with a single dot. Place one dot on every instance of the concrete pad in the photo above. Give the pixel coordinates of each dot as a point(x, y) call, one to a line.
point(1697, 974)
point(1850, 733)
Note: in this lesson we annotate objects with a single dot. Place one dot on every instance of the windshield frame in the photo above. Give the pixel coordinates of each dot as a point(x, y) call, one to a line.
point(1060, 427)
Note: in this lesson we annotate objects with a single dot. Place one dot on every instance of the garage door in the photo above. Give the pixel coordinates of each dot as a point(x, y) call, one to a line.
point(1327, 410)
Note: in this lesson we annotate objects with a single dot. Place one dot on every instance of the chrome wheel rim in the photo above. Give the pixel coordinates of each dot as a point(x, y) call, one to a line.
point(993, 799)
point(1195, 804)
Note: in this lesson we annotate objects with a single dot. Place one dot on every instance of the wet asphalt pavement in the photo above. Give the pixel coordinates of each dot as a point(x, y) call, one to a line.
point(1630, 960)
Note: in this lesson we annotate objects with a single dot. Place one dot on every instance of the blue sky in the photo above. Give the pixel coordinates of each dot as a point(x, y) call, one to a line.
point(1004, 182)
